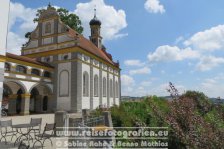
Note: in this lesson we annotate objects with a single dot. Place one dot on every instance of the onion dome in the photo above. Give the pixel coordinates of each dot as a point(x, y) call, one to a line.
point(95, 20)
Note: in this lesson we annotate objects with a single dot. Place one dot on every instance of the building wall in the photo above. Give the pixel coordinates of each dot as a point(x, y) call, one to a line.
point(104, 98)
point(85, 100)
point(96, 99)
point(90, 64)
point(63, 99)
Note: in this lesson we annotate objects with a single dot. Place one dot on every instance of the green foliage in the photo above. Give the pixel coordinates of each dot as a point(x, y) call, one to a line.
point(193, 120)
point(201, 100)
point(70, 19)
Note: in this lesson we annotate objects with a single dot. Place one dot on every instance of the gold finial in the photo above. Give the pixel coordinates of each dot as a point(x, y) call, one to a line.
point(49, 5)
point(95, 11)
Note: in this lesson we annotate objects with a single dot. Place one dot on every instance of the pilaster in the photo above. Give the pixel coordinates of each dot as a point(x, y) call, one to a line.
point(55, 83)
point(25, 104)
point(76, 85)
point(108, 88)
point(91, 84)
point(114, 89)
point(100, 85)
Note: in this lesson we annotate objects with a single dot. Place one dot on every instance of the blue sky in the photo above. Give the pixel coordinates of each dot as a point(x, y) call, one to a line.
point(155, 41)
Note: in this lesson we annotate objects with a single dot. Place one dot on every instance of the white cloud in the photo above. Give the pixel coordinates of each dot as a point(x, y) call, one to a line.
point(23, 15)
point(162, 71)
point(133, 63)
point(211, 39)
point(172, 53)
point(127, 80)
point(15, 43)
point(23, 18)
point(213, 86)
point(154, 6)
point(146, 83)
point(113, 21)
point(127, 83)
point(179, 39)
point(144, 70)
point(207, 63)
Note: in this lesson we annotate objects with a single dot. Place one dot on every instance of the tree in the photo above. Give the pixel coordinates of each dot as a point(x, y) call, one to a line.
point(70, 19)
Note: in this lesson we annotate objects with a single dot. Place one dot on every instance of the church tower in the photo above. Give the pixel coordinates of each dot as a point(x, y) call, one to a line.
point(95, 26)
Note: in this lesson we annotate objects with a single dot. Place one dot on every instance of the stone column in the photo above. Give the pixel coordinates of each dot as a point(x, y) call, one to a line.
point(55, 84)
point(25, 104)
point(76, 84)
point(91, 84)
point(29, 70)
point(108, 88)
point(12, 104)
point(119, 79)
point(100, 85)
point(114, 89)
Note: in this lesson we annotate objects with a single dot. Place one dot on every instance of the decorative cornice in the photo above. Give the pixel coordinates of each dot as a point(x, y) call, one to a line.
point(2, 59)
point(79, 60)
point(26, 95)
point(29, 75)
point(70, 50)
point(13, 96)
point(61, 43)
point(20, 79)
point(7, 59)
point(47, 36)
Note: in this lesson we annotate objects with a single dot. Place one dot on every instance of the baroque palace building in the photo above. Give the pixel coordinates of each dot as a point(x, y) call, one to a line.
point(59, 69)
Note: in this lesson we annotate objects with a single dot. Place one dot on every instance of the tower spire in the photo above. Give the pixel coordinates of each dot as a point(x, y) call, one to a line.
point(95, 11)
point(49, 5)
point(95, 30)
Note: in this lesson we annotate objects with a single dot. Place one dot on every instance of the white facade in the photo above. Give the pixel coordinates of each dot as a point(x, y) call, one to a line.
point(61, 70)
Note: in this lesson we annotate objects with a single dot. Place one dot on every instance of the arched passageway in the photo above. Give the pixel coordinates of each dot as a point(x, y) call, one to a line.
point(13, 97)
point(21, 101)
point(40, 99)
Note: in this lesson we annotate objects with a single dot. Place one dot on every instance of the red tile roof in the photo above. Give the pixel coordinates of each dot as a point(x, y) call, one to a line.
point(27, 59)
point(90, 47)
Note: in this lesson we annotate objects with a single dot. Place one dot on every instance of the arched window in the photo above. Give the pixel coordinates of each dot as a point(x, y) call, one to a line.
point(116, 89)
point(96, 82)
point(65, 57)
point(48, 28)
point(20, 69)
point(35, 72)
point(85, 84)
point(7, 67)
point(104, 87)
point(47, 59)
point(47, 74)
point(64, 83)
point(111, 88)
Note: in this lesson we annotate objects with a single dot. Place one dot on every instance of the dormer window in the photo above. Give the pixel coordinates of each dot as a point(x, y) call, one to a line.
point(48, 28)
point(7, 67)
point(21, 69)
point(47, 59)
point(47, 74)
point(35, 72)
point(65, 57)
